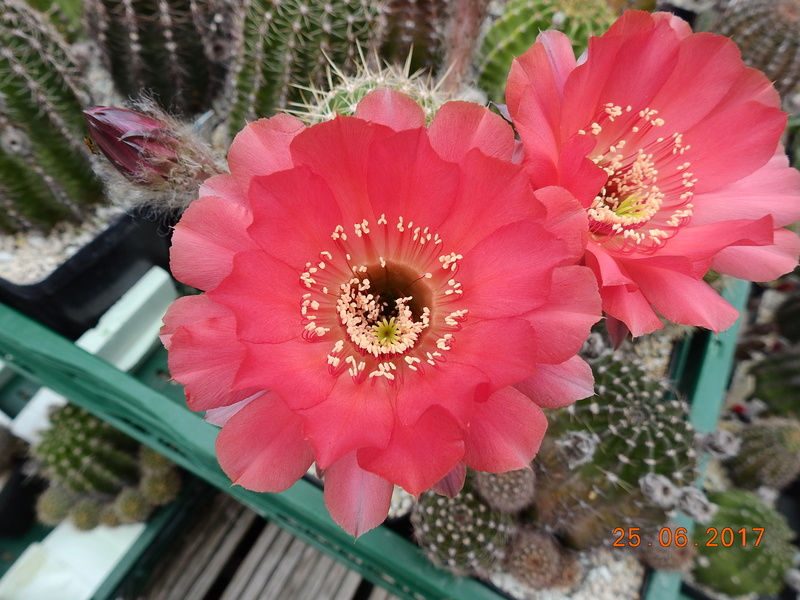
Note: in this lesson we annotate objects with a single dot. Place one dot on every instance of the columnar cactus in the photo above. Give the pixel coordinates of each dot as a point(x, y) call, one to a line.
point(742, 567)
point(45, 167)
point(769, 454)
point(176, 51)
point(416, 28)
point(462, 534)
point(766, 31)
point(291, 43)
point(522, 20)
point(619, 459)
point(97, 474)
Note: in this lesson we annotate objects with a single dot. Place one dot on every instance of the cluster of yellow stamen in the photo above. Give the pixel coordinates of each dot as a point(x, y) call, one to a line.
point(378, 334)
point(647, 197)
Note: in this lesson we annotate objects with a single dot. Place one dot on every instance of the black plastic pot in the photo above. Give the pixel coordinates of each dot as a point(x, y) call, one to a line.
point(74, 297)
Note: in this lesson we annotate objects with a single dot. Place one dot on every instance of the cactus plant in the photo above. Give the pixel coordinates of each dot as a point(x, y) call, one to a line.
point(415, 28)
point(175, 51)
point(536, 559)
point(508, 492)
point(769, 454)
point(462, 534)
point(522, 20)
point(97, 474)
point(777, 380)
point(643, 456)
point(45, 168)
point(342, 98)
point(742, 567)
point(291, 44)
point(767, 33)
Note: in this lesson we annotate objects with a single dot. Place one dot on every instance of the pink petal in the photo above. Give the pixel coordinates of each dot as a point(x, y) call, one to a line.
point(567, 220)
point(225, 186)
point(393, 109)
point(629, 305)
point(211, 231)
point(461, 126)
point(417, 456)
point(262, 147)
point(505, 433)
point(452, 483)
point(682, 298)
point(568, 315)
point(771, 190)
point(265, 294)
point(408, 179)
point(220, 416)
point(554, 386)
point(608, 271)
point(704, 241)
point(509, 272)
point(356, 499)
point(262, 447)
point(192, 325)
point(760, 263)
point(352, 416)
point(294, 215)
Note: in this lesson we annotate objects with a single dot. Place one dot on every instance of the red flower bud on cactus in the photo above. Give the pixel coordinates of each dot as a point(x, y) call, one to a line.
point(142, 148)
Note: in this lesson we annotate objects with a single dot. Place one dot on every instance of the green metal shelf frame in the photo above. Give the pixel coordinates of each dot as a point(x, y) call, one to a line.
point(151, 410)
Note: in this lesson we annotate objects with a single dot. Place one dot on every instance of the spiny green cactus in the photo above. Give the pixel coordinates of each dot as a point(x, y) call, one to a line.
point(742, 567)
point(342, 98)
point(537, 559)
point(766, 31)
point(522, 20)
point(769, 454)
point(777, 381)
point(462, 534)
point(176, 51)
point(45, 167)
point(97, 474)
point(290, 43)
point(84, 454)
point(618, 459)
point(787, 317)
point(508, 492)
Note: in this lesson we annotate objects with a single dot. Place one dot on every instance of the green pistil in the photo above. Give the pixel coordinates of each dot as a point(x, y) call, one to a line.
point(630, 207)
point(387, 331)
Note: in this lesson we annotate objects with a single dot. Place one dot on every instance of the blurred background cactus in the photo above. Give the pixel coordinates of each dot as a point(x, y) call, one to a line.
point(97, 474)
point(45, 169)
point(516, 27)
point(769, 454)
point(618, 459)
point(744, 567)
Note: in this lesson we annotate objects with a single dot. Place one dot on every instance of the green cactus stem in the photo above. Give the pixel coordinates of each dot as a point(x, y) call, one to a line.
point(45, 168)
point(291, 43)
point(176, 51)
point(619, 459)
point(521, 21)
point(777, 381)
point(742, 567)
point(416, 28)
point(769, 454)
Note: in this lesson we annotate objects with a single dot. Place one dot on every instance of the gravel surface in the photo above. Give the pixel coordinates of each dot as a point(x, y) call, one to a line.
point(28, 259)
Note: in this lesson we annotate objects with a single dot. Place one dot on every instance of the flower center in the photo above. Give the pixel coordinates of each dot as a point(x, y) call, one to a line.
point(647, 195)
point(387, 297)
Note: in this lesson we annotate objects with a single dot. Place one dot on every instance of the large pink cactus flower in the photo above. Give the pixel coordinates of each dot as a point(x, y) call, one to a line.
point(374, 290)
point(671, 144)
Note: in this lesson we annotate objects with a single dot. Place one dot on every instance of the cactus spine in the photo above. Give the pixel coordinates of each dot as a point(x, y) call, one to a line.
point(639, 453)
point(45, 170)
point(522, 20)
point(743, 568)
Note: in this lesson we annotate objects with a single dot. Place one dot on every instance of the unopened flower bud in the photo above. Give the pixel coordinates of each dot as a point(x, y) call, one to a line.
point(140, 147)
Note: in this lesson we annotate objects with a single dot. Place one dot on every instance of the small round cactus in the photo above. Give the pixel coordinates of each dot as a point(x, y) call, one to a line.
point(160, 488)
point(462, 534)
point(777, 382)
point(536, 559)
point(508, 492)
point(53, 505)
point(85, 514)
point(642, 456)
point(769, 454)
point(132, 506)
point(743, 568)
point(668, 557)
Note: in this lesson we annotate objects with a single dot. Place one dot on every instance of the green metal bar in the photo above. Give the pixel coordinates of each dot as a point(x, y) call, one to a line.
point(382, 556)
